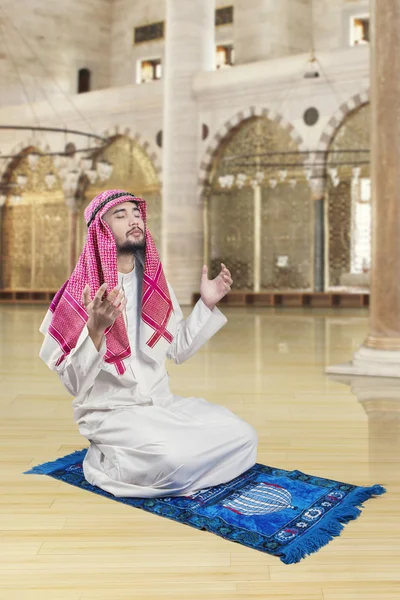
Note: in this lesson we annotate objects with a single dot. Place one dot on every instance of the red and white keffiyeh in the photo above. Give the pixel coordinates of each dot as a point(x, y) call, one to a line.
point(97, 264)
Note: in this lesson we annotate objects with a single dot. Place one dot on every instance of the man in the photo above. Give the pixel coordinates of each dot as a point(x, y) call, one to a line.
point(108, 332)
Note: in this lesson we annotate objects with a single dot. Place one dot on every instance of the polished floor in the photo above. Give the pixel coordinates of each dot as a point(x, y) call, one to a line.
point(267, 365)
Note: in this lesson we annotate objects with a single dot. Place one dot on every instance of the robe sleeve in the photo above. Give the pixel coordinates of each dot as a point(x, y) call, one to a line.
point(195, 331)
point(79, 369)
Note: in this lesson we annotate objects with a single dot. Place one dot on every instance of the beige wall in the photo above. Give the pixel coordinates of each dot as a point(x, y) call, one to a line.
point(127, 15)
point(262, 29)
point(98, 34)
point(332, 21)
point(66, 35)
point(267, 29)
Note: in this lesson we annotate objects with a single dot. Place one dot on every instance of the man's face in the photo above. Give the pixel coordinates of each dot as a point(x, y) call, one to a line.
point(127, 226)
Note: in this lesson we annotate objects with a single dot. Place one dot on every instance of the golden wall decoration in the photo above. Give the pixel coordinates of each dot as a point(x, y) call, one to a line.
point(339, 240)
point(16, 247)
point(35, 231)
point(255, 136)
point(231, 226)
point(287, 226)
point(282, 218)
point(134, 172)
point(353, 134)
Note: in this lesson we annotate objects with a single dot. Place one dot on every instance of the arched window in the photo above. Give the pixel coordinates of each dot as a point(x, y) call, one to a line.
point(83, 81)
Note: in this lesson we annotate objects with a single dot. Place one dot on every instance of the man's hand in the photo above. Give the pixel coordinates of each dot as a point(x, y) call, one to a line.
point(212, 291)
point(102, 313)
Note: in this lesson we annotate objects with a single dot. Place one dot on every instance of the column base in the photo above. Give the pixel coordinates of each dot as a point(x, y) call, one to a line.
point(371, 362)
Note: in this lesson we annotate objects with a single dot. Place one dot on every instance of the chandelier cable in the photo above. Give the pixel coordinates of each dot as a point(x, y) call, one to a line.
point(35, 116)
point(67, 96)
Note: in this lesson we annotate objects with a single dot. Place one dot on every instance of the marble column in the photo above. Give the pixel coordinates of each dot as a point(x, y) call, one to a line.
point(318, 198)
point(2, 203)
point(266, 29)
point(189, 48)
point(384, 330)
point(380, 353)
point(257, 238)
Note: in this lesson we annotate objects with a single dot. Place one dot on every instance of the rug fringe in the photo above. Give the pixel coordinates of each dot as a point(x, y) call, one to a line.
point(60, 463)
point(322, 533)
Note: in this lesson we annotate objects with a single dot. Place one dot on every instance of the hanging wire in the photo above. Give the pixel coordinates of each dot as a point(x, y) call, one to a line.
point(298, 78)
point(312, 53)
point(66, 96)
point(10, 55)
point(292, 85)
point(30, 102)
point(312, 40)
point(339, 98)
point(330, 83)
point(39, 85)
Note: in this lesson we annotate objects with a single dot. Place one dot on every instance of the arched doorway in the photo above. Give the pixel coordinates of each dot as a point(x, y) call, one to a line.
point(349, 202)
point(263, 233)
point(134, 172)
point(35, 228)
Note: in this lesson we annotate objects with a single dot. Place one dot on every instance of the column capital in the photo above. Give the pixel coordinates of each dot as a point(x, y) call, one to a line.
point(318, 187)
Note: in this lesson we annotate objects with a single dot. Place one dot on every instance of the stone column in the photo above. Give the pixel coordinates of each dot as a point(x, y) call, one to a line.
point(2, 203)
point(266, 29)
point(384, 330)
point(318, 198)
point(380, 353)
point(189, 48)
point(257, 238)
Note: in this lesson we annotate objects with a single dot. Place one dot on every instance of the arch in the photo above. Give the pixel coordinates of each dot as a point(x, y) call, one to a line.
point(339, 116)
point(348, 202)
point(142, 142)
point(35, 227)
point(133, 170)
point(235, 121)
point(262, 233)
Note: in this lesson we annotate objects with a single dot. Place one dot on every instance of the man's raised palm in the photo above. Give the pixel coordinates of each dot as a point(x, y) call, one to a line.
point(212, 290)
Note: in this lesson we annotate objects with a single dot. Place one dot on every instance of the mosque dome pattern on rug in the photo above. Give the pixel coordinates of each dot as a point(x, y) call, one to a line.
point(260, 499)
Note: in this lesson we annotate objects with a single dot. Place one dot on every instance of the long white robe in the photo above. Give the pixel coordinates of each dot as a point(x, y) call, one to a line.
point(144, 440)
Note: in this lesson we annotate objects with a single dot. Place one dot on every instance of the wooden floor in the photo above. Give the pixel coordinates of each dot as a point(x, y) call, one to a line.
point(60, 543)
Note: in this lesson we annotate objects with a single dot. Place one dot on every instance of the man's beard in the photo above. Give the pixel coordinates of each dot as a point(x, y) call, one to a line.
point(130, 247)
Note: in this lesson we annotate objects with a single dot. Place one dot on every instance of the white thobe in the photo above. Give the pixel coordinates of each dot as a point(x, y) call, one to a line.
point(144, 440)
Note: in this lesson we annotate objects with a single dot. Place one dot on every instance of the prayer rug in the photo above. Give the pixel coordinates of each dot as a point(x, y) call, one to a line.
point(285, 513)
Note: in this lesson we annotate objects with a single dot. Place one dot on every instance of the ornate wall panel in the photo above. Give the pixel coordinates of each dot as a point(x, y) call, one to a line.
point(52, 245)
point(286, 210)
point(257, 135)
point(134, 172)
point(231, 226)
point(35, 231)
point(287, 233)
point(339, 218)
point(17, 247)
point(353, 134)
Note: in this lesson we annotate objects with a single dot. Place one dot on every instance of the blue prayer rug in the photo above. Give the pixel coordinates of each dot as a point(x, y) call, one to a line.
point(285, 513)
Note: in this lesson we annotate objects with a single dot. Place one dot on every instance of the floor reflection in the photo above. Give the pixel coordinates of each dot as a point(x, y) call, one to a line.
point(380, 399)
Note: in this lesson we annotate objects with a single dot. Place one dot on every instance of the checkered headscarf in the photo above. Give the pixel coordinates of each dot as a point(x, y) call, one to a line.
point(97, 265)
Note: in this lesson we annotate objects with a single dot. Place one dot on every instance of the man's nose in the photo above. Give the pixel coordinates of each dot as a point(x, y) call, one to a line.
point(134, 220)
